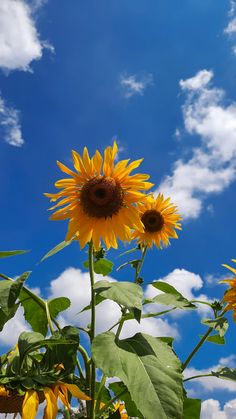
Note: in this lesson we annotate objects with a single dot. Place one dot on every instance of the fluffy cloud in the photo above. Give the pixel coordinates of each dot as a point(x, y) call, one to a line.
point(75, 284)
point(212, 165)
point(13, 328)
point(210, 384)
point(211, 409)
point(19, 40)
point(10, 125)
point(187, 283)
point(134, 85)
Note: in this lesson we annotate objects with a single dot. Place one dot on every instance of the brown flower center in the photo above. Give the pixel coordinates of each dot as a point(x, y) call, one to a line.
point(101, 197)
point(153, 221)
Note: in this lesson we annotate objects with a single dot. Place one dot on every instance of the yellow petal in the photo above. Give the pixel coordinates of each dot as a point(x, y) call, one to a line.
point(50, 411)
point(30, 405)
point(76, 392)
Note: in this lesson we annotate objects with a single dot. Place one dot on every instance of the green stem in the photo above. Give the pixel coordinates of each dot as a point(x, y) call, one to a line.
point(198, 376)
point(110, 403)
point(197, 347)
point(49, 318)
point(80, 370)
point(92, 330)
point(102, 384)
point(137, 273)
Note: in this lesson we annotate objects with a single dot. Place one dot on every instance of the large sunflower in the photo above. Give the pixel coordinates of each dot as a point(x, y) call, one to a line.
point(230, 295)
point(160, 219)
point(99, 198)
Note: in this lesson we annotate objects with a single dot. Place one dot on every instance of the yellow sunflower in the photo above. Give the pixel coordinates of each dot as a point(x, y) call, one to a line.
point(230, 295)
point(99, 198)
point(160, 219)
point(60, 391)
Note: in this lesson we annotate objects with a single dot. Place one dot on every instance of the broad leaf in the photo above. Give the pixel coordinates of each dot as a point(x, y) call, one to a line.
point(63, 353)
point(56, 249)
point(149, 369)
point(219, 340)
point(118, 388)
point(98, 299)
point(26, 339)
point(34, 312)
point(126, 294)
point(220, 324)
point(9, 293)
point(175, 300)
point(192, 408)
point(8, 253)
point(57, 305)
point(225, 373)
point(171, 297)
point(103, 266)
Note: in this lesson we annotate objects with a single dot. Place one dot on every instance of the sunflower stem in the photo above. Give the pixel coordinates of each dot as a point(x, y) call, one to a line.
point(92, 330)
point(197, 347)
point(49, 318)
point(138, 268)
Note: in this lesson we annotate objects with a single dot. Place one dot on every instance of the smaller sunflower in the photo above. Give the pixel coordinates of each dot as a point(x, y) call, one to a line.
point(160, 219)
point(230, 295)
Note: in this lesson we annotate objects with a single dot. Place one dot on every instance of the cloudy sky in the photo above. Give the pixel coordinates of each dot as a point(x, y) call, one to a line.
point(159, 76)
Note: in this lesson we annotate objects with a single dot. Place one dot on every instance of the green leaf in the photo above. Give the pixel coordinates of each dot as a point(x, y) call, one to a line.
point(192, 408)
point(149, 369)
point(126, 294)
point(174, 300)
point(165, 287)
point(56, 249)
point(34, 312)
point(57, 305)
point(8, 253)
point(127, 252)
point(170, 297)
point(130, 406)
point(103, 267)
point(26, 339)
point(9, 293)
point(63, 353)
point(167, 339)
point(220, 324)
point(219, 340)
point(98, 299)
point(225, 373)
point(133, 263)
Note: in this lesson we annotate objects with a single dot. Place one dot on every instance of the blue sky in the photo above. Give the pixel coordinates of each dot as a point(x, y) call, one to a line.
point(159, 76)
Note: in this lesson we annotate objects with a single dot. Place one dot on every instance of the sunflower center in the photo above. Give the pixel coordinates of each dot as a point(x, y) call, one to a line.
point(153, 221)
point(101, 197)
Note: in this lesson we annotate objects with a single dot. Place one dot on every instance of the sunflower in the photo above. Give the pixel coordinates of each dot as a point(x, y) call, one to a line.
point(99, 198)
point(59, 391)
point(160, 219)
point(230, 295)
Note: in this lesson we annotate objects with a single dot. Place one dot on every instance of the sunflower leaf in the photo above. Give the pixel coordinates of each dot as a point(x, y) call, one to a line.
point(57, 305)
point(220, 324)
point(56, 249)
point(192, 408)
point(126, 294)
point(34, 312)
point(130, 406)
point(8, 253)
point(149, 369)
point(103, 266)
point(225, 373)
point(9, 293)
point(219, 340)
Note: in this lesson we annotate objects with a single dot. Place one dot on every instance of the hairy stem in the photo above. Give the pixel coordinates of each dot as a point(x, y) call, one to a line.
point(92, 330)
point(197, 347)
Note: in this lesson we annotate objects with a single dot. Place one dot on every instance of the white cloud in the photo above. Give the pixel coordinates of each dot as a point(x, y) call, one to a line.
point(211, 409)
point(10, 125)
point(187, 283)
point(75, 284)
point(134, 85)
point(210, 384)
point(12, 329)
point(212, 165)
point(19, 40)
